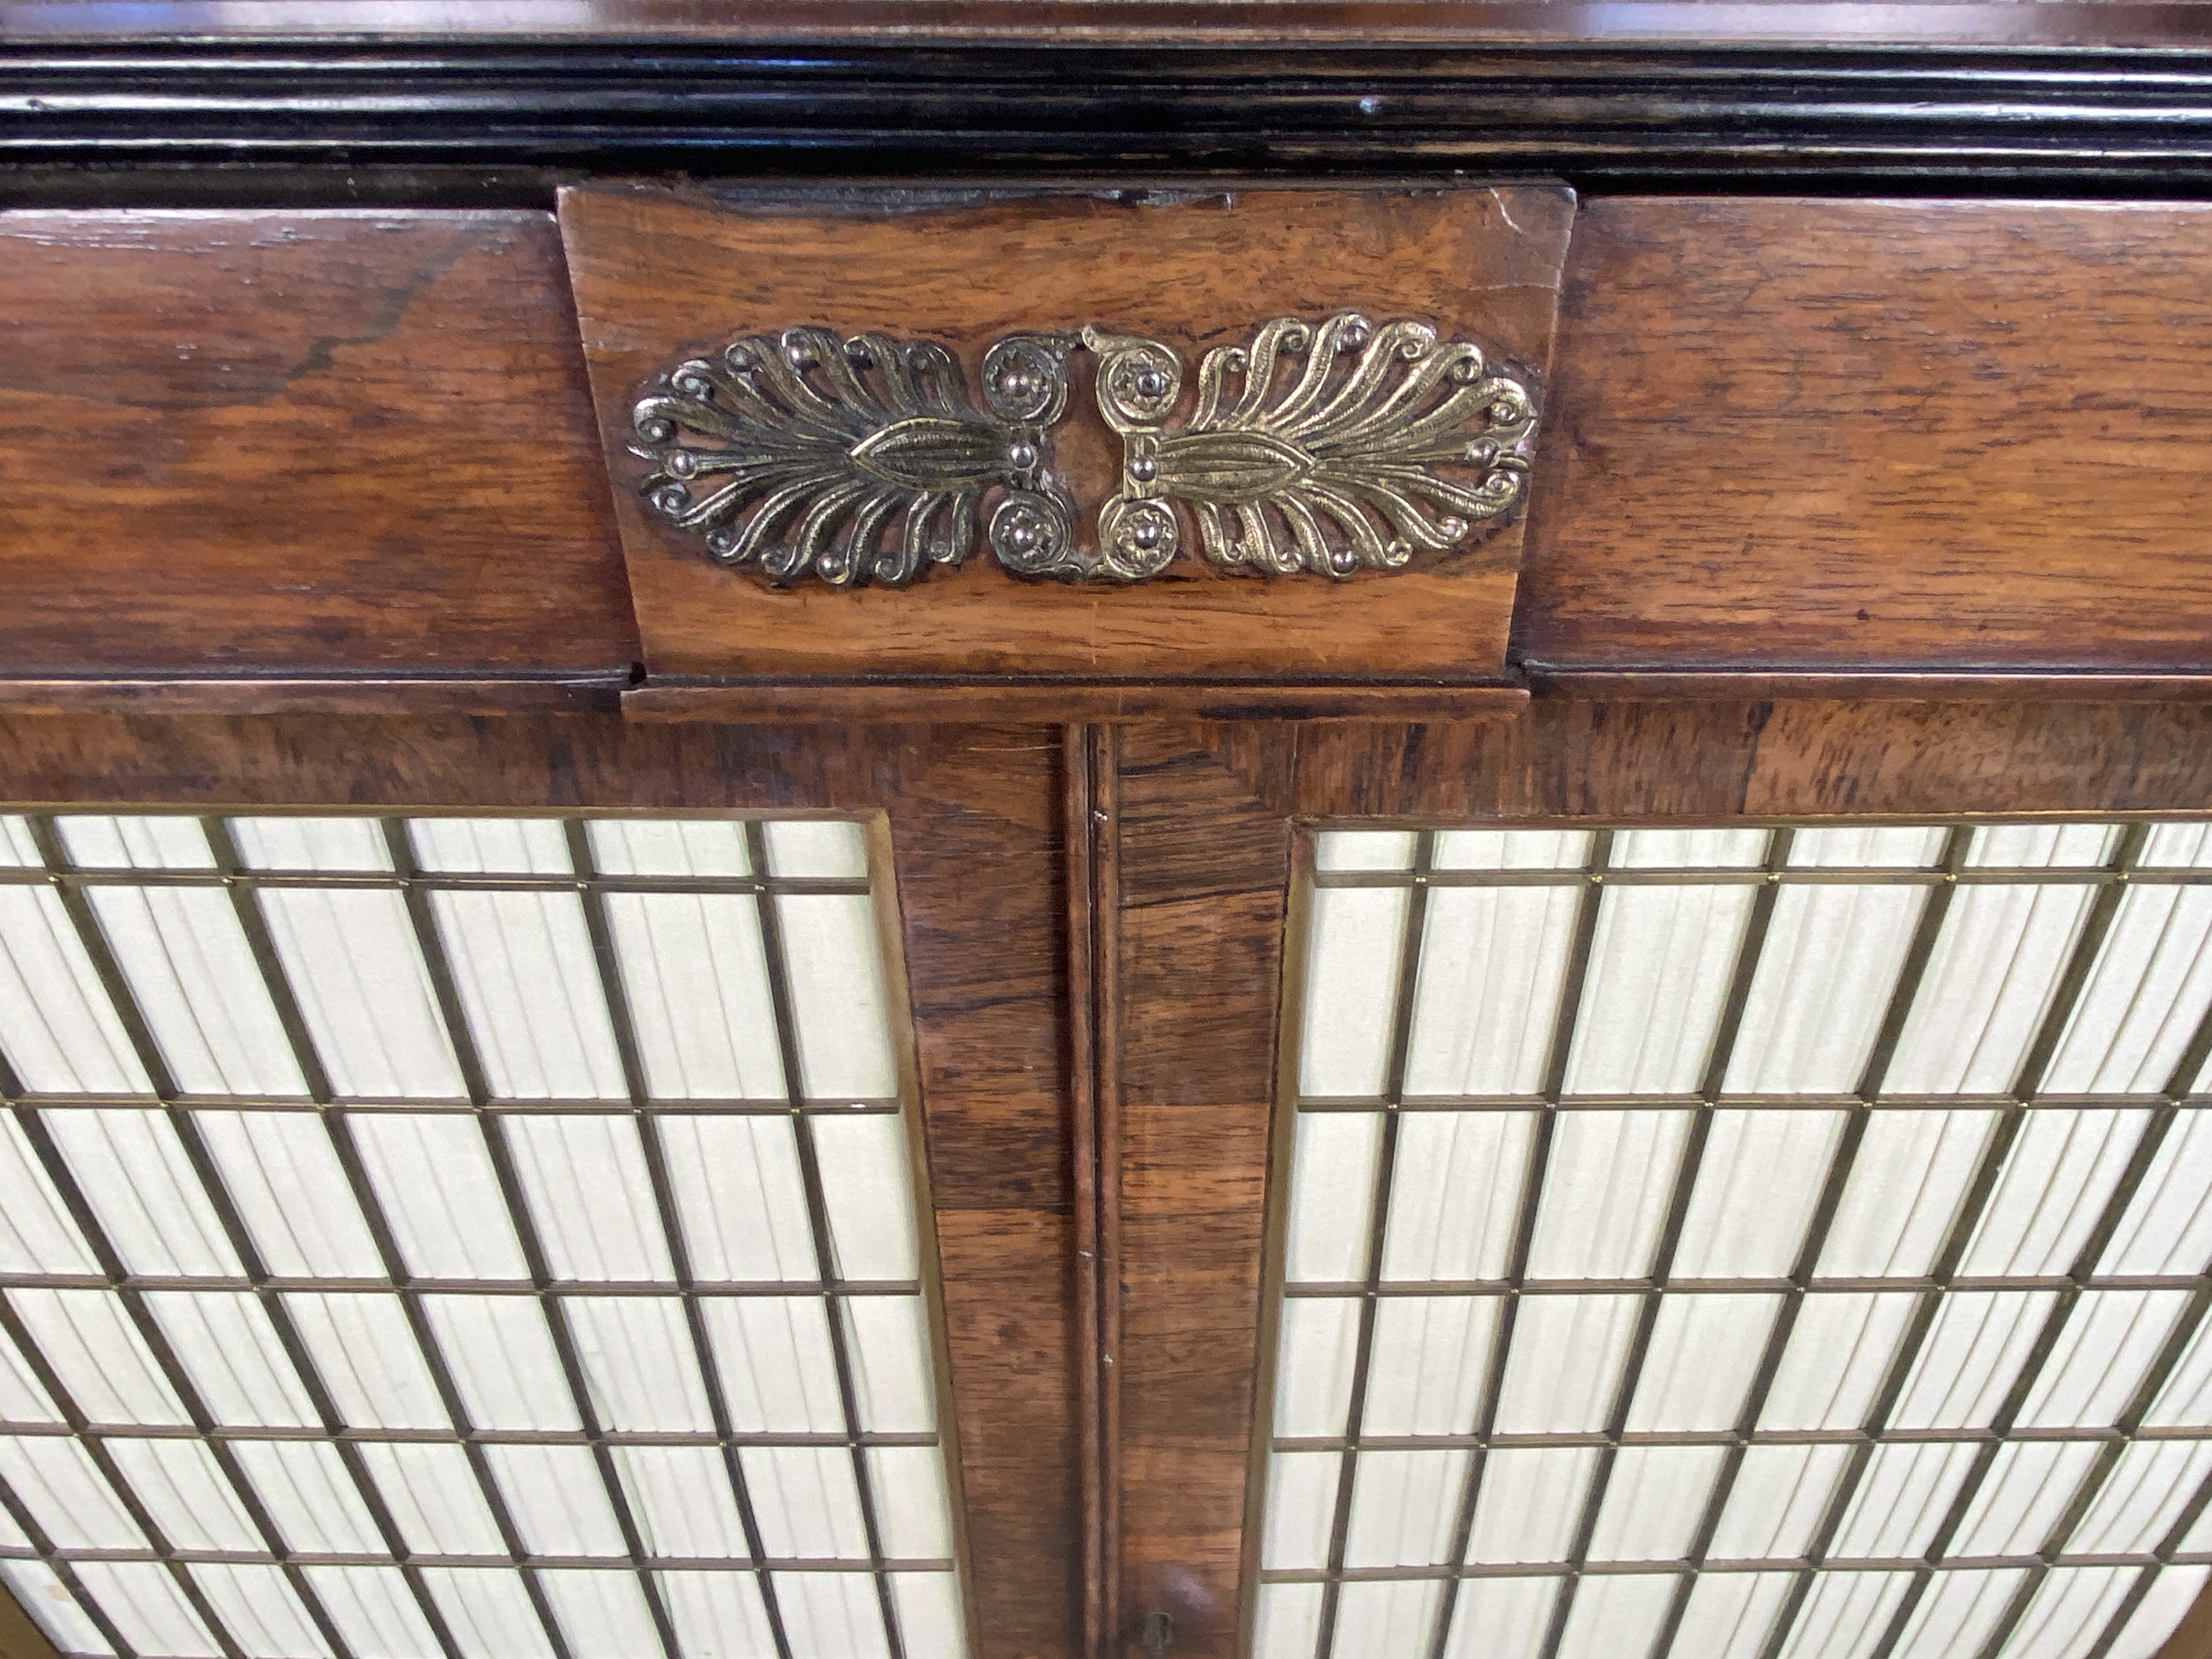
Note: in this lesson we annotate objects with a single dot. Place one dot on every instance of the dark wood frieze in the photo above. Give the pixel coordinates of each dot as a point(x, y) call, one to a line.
point(306, 461)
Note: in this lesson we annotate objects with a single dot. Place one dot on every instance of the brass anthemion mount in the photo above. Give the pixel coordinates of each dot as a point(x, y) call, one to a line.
point(1323, 448)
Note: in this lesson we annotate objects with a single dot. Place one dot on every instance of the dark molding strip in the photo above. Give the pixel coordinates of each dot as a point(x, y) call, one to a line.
point(2153, 23)
point(505, 119)
point(1761, 685)
point(1056, 701)
point(179, 695)
point(1061, 701)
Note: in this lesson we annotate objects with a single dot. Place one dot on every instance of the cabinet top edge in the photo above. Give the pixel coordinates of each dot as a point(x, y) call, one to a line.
point(1647, 24)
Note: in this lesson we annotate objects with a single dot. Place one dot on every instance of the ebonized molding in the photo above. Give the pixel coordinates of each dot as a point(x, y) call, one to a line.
point(502, 120)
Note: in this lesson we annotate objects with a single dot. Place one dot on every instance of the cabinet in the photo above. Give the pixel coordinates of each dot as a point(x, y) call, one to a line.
point(1863, 491)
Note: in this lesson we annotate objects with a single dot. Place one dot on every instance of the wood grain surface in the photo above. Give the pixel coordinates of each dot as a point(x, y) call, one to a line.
point(2192, 1637)
point(1877, 435)
point(985, 959)
point(20, 1638)
point(1205, 833)
point(1717, 759)
point(1783, 436)
point(660, 275)
point(1090, 839)
point(303, 443)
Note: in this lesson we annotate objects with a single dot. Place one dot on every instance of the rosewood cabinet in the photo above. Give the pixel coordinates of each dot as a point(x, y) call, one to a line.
point(1296, 832)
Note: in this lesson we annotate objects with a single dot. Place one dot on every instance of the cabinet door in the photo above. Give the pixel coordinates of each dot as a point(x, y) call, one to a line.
point(537, 1186)
point(1659, 1179)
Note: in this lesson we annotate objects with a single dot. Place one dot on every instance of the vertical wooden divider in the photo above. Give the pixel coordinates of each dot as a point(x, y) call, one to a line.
point(1086, 824)
point(1191, 925)
point(1105, 789)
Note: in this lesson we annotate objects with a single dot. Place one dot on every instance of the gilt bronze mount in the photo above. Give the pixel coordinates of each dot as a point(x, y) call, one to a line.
point(1325, 449)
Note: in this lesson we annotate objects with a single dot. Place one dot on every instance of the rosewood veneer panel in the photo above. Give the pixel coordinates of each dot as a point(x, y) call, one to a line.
point(1204, 841)
point(1715, 758)
point(1877, 435)
point(661, 276)
point(318, 444)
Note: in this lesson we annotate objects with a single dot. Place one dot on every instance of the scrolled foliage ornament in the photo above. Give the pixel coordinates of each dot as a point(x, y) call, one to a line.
point(859, 460)
point(1324, 449)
